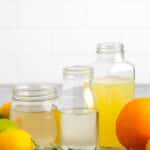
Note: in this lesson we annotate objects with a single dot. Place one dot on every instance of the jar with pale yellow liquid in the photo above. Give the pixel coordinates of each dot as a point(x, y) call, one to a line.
point(34, 110)
point(113, 87)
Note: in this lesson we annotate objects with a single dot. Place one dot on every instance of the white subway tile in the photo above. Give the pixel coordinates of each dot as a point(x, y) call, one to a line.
point(8, 57)
point(73, 42)
point(118, 13)
point(52, 14)
point(34, 52)
point(8, 14)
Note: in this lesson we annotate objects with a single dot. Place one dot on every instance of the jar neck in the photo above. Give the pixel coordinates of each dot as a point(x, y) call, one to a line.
point(77, 80)
point(111, 57)
point(76, 88)
point(34, 93)
point(77, 94)
point(76, 83)
point(77, 75)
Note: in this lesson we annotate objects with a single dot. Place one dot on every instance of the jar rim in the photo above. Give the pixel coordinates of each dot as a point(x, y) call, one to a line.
point(34, 92)
point(109, 47)
point(78, 70)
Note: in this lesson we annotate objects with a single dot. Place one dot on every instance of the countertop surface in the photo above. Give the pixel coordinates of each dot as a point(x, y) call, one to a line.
point(142, 90)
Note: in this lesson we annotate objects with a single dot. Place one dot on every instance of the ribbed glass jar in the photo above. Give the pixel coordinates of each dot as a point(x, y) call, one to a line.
point(33, 109)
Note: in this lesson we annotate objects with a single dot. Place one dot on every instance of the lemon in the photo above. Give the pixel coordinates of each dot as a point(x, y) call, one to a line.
point(15, 139)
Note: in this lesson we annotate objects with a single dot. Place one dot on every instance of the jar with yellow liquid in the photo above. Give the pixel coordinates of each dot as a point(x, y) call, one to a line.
point(34, 110)
point(113, 87)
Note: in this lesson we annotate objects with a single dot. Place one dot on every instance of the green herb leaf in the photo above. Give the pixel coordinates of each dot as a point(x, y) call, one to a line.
point(52, 147)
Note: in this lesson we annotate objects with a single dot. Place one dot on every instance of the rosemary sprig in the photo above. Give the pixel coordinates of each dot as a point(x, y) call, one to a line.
point(51, 147)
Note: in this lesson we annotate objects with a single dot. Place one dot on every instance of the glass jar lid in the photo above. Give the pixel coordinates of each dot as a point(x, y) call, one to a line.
point(34, 92)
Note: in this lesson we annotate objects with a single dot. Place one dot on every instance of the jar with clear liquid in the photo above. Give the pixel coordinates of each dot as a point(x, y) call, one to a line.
point(78, 119)
point(113, 87)
point(34, 110)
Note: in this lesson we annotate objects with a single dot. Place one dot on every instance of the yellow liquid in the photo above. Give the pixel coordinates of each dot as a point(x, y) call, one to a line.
point(111, 95)
point(57, 115)
point(41, 125)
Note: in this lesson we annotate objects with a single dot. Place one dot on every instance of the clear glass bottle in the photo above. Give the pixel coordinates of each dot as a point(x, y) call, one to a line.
point(33, 109)
point(78, 114)
point(113, 87)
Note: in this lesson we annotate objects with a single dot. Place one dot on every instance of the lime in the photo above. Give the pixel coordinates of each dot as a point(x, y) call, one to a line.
point(5, 124)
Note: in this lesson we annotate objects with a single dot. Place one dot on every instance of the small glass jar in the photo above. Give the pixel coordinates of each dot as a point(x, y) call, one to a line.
point(78, 114)
point(113, 87)
point(33, 109)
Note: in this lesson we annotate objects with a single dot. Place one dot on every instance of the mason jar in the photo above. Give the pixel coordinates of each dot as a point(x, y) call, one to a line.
point(113, 87)
point(34, 110)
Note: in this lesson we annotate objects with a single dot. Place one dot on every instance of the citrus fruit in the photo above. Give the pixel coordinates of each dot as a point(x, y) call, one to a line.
point(5, 109)
point(5, 124)
point(148, 145)
point(133, 124)
point(15, 139)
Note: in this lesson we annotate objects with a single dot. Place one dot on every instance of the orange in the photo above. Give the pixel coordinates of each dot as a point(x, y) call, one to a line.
point(148, 145)
point(5, 109)
point(15, 139)
point(133, 124)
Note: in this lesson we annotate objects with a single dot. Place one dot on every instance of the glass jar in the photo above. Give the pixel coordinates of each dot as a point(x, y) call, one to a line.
point(113, 87)
point(78, 114)
point(33, 109)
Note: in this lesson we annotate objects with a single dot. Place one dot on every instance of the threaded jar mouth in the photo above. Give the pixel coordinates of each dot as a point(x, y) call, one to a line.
point(34, 92)
point(78, 71)
point(110, 47)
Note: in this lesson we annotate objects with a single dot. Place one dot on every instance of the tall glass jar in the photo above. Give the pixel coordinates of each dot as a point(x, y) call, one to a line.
point(113, 87)
point(33, 109)
point(78, 114)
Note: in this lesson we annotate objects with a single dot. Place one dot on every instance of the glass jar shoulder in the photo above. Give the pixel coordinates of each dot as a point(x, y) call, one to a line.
point(122, 69)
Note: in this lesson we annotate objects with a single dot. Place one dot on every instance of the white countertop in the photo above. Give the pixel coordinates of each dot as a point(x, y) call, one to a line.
point(142, 90)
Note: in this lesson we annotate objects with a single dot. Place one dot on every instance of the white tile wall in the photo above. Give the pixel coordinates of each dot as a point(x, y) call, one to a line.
point(8, 56)
point(8, 14)
point(39, 37)
point(118, 13)
point(50, 14)
point(35, 48)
